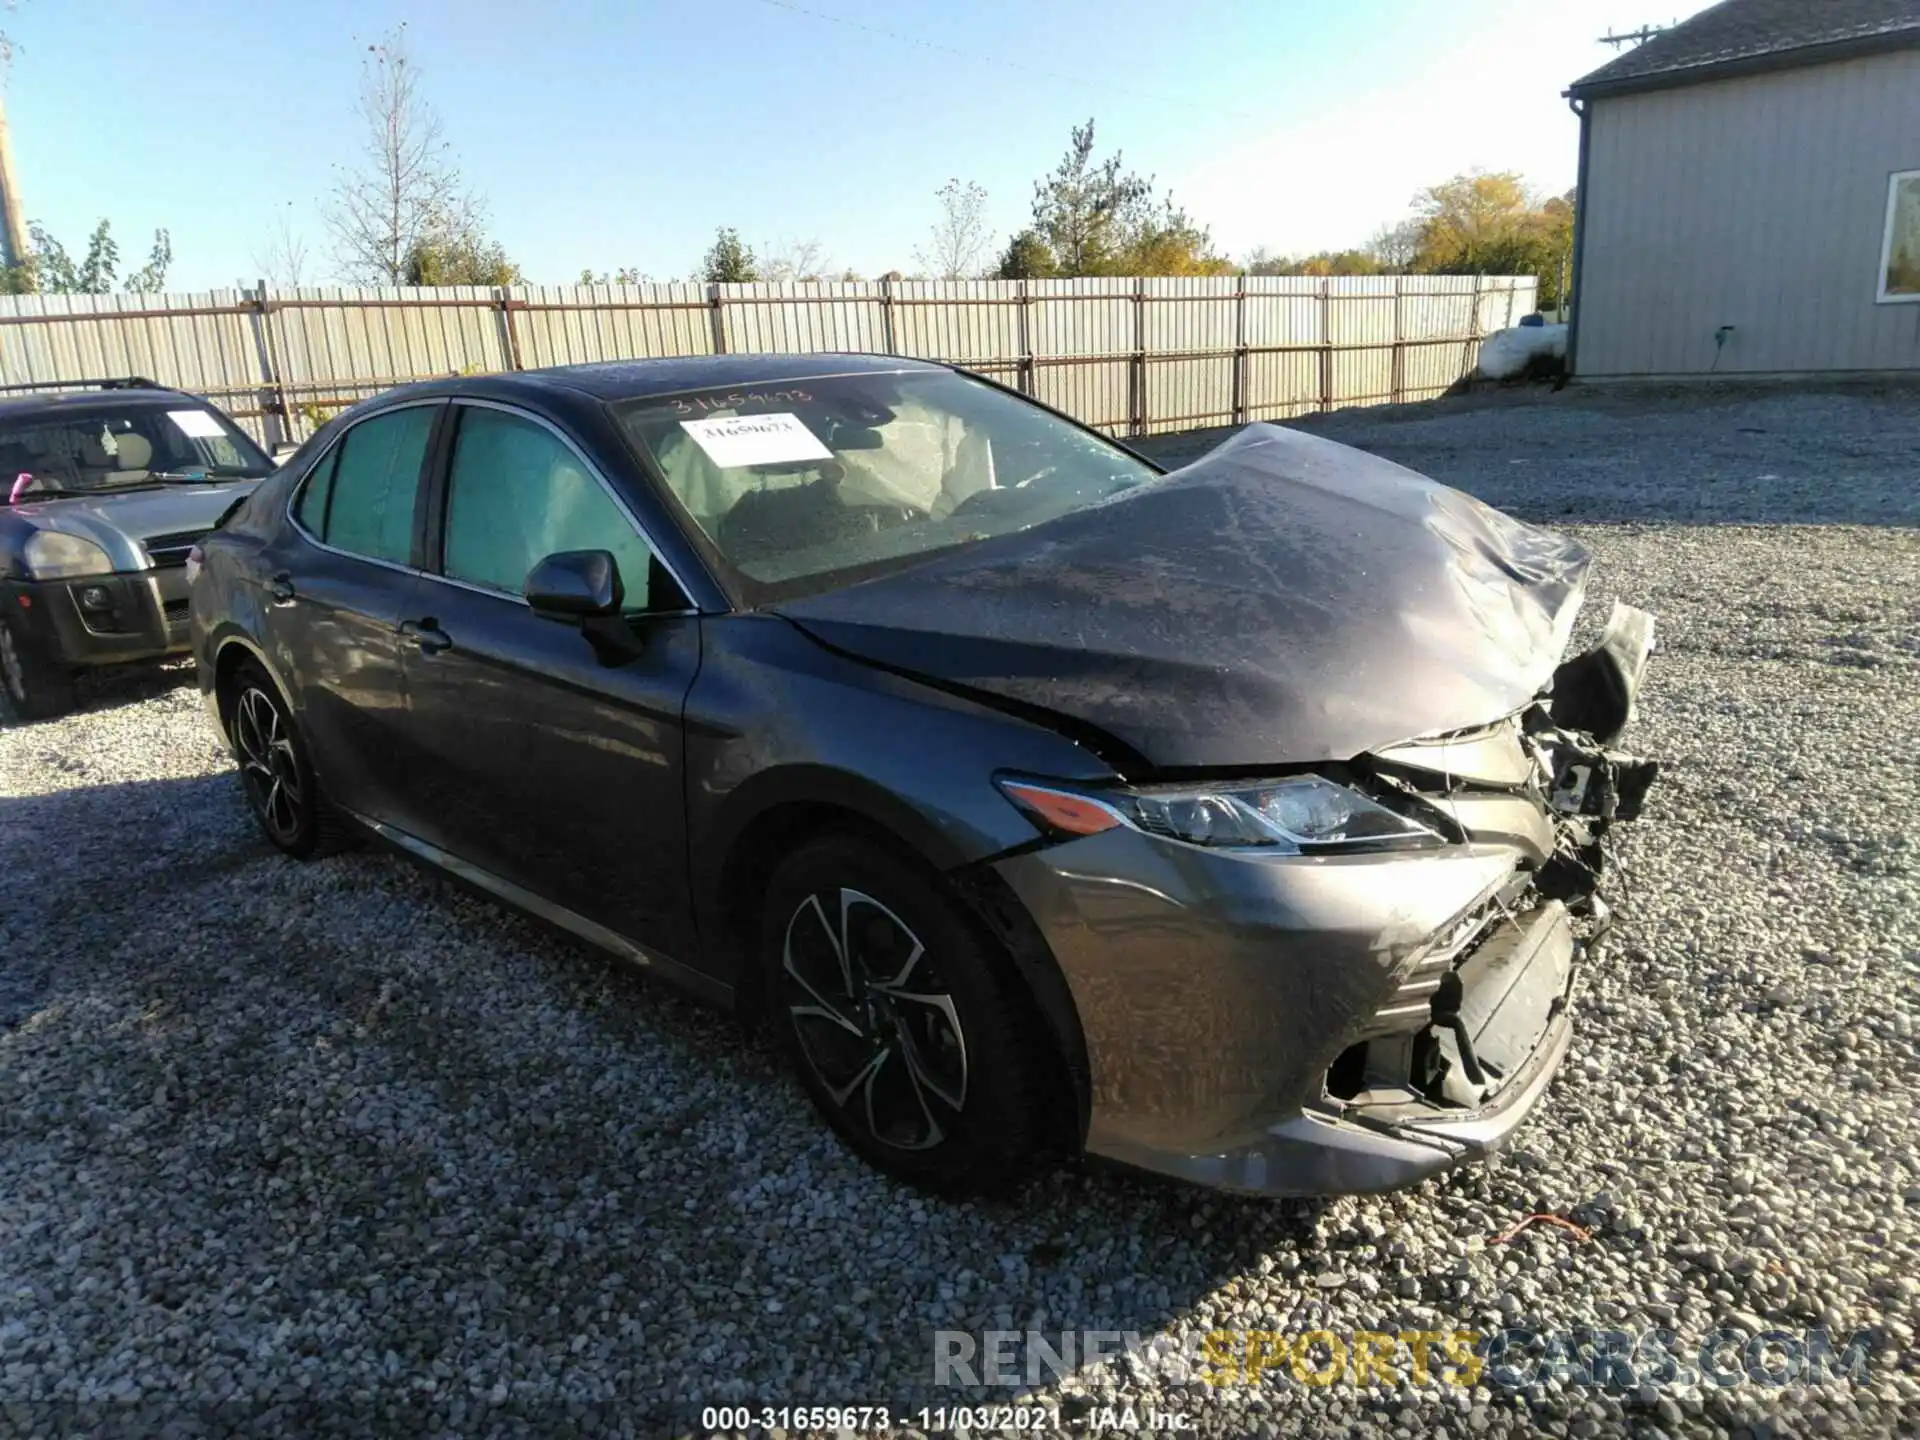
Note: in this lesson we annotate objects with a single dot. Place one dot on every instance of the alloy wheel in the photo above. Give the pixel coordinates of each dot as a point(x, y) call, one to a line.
point(268, 769)
point(874, 1019)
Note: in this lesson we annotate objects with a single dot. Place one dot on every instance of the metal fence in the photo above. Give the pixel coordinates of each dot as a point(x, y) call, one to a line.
point(1131, 356)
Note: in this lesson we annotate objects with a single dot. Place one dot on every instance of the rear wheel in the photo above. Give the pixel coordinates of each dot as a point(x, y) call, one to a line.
point(282, 793)
point(902, 1022)
point(37, 688)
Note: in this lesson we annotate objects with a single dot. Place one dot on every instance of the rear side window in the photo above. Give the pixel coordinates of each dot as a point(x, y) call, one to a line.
point(361, 497)
point(517, 494)
point(312, 509)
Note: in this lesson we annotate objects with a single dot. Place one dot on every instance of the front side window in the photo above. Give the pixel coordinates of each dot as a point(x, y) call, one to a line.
point(360, 497)
point(516, 493)
point(809, 484)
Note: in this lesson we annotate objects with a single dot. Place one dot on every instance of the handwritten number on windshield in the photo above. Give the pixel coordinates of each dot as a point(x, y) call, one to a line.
point(735, 399)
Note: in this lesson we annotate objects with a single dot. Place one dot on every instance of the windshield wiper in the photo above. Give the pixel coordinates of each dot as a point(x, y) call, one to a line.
point(50, 492)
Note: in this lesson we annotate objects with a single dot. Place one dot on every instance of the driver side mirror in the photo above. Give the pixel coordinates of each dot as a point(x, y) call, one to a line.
point(575, 585)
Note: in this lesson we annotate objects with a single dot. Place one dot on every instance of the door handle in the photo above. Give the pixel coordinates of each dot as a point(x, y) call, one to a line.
point(427, 635)
point(280, 587)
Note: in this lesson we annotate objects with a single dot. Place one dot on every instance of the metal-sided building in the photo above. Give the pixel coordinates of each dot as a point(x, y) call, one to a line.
point(1750, 195)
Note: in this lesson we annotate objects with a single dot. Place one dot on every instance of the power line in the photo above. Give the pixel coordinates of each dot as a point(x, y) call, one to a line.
point(983, 57)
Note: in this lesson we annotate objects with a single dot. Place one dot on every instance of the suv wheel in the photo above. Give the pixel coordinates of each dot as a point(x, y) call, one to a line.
point(37, 688)
point(900, 1018)
point(282, 794)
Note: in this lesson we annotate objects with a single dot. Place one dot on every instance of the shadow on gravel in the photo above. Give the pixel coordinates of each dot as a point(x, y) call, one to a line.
point(112, 686)
point(303, 1057)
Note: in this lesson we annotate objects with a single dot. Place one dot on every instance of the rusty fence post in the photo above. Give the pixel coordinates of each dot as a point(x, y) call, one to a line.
point(1468, 355)
point(886, 315)
point(1239, 403)
point(1399, 363)
point(504, 296)
point(1137, 369)
point(719, 318)
point(1024, 373)
point(1326, 344)
point(278, 419)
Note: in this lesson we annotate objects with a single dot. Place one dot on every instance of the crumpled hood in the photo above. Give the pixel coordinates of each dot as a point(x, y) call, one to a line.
point(1283, 599)
point(117, 521)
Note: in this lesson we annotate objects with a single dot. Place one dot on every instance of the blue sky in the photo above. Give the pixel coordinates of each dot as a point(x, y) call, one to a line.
point(604, 133)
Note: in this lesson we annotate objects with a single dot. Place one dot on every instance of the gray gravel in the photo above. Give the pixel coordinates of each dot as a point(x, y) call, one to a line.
point(339, 1148)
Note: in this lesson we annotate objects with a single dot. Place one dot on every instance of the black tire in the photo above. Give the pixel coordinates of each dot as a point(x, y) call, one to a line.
point(36, 687)
point(282, 793)
point(884, 1052)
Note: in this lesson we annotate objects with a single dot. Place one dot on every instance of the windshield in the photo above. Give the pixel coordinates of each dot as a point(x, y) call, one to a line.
point(93, 448)
point(809, 484)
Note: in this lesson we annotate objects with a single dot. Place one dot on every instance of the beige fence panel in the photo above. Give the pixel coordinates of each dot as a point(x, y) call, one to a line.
point(976, 323)
point(799, 319)
point(581, 324)
point(1129, 355)
point(206, 341)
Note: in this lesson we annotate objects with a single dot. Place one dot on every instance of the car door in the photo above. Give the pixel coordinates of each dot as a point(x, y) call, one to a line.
point(537, 761)
point(337, 581)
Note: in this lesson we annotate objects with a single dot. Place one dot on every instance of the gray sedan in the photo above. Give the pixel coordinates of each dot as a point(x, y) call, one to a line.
point(1243, 823)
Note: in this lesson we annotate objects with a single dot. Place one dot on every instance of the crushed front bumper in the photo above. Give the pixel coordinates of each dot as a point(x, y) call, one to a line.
point(1216, 993)
point(102, 619)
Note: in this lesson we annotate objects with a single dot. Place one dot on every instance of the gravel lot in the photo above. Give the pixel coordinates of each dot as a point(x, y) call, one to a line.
point(338, 1148)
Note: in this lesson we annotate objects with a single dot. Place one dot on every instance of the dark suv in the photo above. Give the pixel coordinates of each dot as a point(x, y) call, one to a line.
point(104, 488)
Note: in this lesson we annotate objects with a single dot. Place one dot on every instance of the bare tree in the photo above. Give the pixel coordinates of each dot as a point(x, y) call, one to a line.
point(406, 192)
point(282, 256)
point(957, 247)
point(794, 260)
point(1395, 246)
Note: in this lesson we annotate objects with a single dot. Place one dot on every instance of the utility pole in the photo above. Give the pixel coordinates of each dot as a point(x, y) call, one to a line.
point(13, 226)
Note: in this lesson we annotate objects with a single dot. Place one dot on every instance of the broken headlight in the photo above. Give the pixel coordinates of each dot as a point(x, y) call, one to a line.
point(1299, 815)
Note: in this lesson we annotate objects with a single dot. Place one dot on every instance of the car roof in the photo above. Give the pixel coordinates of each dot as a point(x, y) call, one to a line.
point(18, 407)
point(642, 379)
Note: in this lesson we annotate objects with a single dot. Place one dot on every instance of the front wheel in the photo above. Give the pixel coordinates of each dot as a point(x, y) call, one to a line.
point(904, 1025)
point(282, 794)
point(37, 688)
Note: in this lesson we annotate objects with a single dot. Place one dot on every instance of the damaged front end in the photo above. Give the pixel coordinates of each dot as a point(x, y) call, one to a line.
point(1318, 1023)
point(1477, 1022)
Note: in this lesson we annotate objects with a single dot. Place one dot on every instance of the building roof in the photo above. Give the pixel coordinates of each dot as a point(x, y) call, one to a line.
point(1738, 37)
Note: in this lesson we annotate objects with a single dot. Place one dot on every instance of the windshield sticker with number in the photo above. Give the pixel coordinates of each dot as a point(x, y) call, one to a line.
point(734, 441)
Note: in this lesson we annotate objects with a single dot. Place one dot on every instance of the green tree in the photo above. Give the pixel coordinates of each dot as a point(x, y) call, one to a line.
point(1096, 217)
point(625, 275)
point(463, 259)
point(729, 261)
point(48, 268)
point(151, 278)
point(1087, 212)
point(1026, 258)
